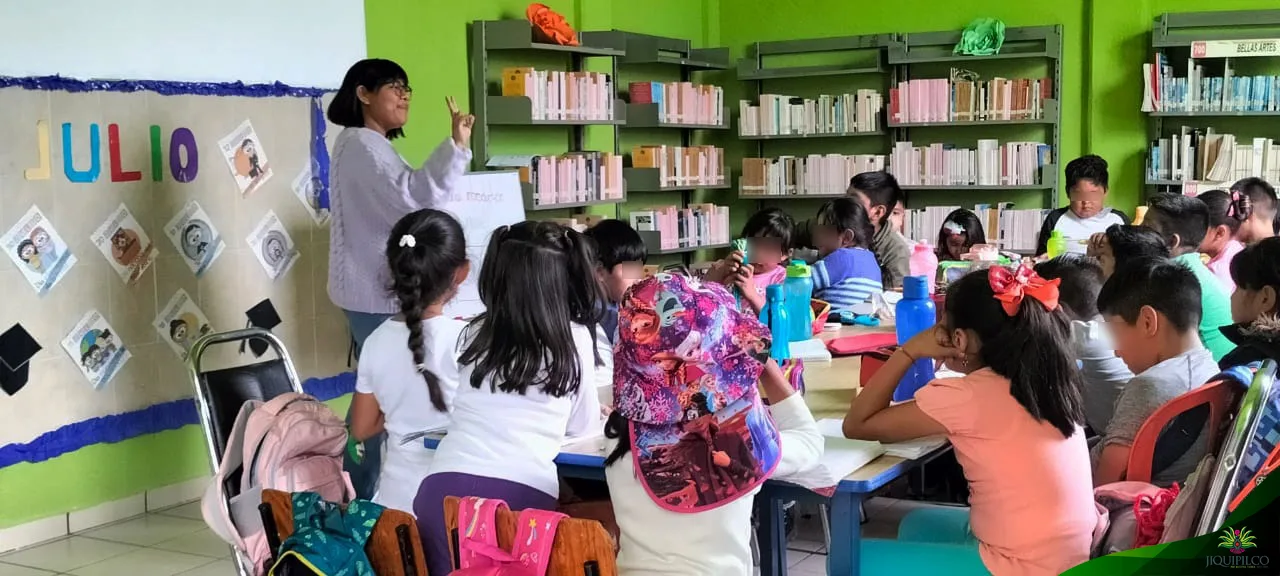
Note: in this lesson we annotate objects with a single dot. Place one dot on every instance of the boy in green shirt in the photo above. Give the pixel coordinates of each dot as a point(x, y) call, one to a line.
point(1184, 221)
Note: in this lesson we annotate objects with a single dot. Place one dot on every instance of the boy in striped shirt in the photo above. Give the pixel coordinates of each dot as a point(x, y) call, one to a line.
point(847, 273)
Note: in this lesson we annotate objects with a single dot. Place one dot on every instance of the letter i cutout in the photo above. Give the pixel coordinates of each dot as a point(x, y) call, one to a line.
point(42, 171)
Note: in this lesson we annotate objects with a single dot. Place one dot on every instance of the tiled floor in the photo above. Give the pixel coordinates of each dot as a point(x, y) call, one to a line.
point(176, 542)
point(165, 543)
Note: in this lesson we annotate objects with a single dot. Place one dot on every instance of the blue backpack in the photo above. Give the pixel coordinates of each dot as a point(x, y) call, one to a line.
point(325, 540)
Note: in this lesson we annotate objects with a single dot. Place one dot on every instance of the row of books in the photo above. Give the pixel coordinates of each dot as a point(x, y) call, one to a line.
point(1208, 157)
point(574, 177)
point(1012, 230)
point(676, 227)
point(816, 174)
point(560, 95)
point(1195, 92)
point(991, 164)
point(779, 115)
point(957, 100)
point(681, 102)
point(680, 166)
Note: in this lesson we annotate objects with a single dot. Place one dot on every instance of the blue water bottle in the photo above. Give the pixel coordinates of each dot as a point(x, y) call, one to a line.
point(799, 291)
point(779, 329)
point(915, 313)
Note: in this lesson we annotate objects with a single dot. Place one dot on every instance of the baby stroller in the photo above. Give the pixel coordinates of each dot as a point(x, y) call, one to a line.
point(220, 394)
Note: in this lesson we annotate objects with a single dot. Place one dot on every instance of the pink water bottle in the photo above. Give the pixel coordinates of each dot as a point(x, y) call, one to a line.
point(924, 262)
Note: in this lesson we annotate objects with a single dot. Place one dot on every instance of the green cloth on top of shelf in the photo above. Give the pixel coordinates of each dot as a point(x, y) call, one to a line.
point(982, 37)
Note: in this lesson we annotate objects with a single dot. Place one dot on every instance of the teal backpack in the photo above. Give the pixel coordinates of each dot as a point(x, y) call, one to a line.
point(325, 540)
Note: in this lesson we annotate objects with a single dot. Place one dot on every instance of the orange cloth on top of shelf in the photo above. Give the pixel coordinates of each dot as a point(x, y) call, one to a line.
point(551, 25)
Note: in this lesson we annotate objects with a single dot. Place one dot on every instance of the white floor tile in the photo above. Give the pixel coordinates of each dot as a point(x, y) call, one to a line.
point(15, 570)
point(67, 554)
point(144, 562)
point(815, 565)
point(795, 557)
point(190, 511)
point(202, 543)
point(146, 530)
point(222, 567)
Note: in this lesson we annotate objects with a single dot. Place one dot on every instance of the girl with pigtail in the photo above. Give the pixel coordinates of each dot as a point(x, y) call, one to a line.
point(407, 389)
point(530, 367)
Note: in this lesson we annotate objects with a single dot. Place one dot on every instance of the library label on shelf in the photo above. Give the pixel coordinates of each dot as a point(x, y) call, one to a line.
point(1235, 48)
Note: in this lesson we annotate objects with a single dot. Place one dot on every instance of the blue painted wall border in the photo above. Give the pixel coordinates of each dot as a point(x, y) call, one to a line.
point(168, 88)
point(149, 420)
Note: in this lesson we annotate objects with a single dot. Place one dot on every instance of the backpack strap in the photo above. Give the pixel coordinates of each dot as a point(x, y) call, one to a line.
point(360, 519)
point(478, 532)
point(535, 533)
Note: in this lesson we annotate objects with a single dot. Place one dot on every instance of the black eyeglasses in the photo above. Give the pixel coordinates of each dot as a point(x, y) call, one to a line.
point(401, 90)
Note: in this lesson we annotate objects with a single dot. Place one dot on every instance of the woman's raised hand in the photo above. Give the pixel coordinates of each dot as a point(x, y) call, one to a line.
point(462, 123)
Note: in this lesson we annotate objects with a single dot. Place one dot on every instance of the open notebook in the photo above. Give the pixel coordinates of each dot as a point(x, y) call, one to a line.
point(910, 449)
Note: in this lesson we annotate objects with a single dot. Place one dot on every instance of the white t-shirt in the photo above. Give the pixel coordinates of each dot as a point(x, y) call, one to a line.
point(1075, 229)
point(516, 437)
point(387, 371)
point(717, 542)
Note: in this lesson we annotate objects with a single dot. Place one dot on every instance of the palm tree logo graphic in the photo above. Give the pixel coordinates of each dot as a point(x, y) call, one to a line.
point(1236, 540)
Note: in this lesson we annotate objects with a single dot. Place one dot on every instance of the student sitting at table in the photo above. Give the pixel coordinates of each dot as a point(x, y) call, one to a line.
point(1255, 305)
point(880, 194)
point(1087, 213)
point(1183, 222)
point(1015, 419)
point(621, 254)
point(960, 231)
point(690, 441)
point(769, 234)
point(407, 390)
point(528, 373)
point(847, 274)
point(1103, 374)
point(1152, 308)
point(1122, 243)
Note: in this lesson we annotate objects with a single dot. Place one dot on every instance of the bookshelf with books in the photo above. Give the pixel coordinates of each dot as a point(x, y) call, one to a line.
point(670, 230)
point(816, 118)
point(976, 123)
point(1013, 230)
point(1211, 93)
point(516, 81)
point(671, 111)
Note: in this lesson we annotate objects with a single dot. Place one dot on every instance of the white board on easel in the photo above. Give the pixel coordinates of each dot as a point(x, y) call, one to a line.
point(482, 201)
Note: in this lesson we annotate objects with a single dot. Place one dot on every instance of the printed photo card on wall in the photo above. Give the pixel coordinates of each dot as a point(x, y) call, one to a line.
point(195, 237)
point(181, 323)
point(125, 245)
point(96, 349)
point(38, 251)
point(305, 188)
point(245, 156)
point(272, 245)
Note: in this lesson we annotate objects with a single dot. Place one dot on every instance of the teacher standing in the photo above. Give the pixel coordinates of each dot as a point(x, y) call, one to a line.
point(371, 188)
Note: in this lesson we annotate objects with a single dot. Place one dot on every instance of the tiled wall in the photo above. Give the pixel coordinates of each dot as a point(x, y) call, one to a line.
point(313, 329)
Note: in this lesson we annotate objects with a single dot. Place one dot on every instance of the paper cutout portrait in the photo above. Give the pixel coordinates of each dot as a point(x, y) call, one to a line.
point(126, 246)
point(273, 246)
point(96, 349)
point(245, 157)
point(180, 323)
point(38, 251)
point(305, 188)
point(195, 237)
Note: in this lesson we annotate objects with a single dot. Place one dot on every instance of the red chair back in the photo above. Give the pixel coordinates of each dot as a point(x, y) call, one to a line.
point(1220, 394)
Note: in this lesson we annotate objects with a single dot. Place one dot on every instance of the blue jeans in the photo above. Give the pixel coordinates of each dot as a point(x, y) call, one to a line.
point(364, 476)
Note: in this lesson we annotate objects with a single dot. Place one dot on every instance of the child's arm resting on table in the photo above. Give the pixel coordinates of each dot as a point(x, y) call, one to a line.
point(801, 442)
point(870, 416)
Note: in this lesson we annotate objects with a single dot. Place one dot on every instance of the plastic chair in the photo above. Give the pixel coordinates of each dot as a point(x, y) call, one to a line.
point(1186, 415)
point(394, 549)
point(581, 547)
point(1227, 475)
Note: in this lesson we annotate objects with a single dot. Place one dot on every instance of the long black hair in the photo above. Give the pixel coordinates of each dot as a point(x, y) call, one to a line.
point(966, 220)
point(847, 213)
point(538, 280)
point(1226, 210)
point(426, 248)
point(1031, 348)
point(370, 74)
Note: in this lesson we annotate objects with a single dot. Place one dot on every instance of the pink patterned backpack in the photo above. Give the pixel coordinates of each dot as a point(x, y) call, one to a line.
point(478, 550)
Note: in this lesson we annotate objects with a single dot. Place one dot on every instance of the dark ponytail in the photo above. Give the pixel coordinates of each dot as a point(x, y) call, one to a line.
point(425, 250)
point(538, 280)
point(1228, 209)
point(1031, 348)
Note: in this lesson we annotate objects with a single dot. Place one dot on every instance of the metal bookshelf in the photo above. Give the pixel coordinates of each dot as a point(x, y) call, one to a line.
point(860, 55)
point(647, 49)
point(1175, 34)
point(517, 36)
point(906, 51)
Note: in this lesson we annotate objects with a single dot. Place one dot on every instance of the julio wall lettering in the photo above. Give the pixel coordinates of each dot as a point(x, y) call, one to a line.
point(184, 154)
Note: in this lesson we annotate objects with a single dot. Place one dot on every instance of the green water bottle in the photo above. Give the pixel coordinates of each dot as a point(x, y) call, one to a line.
point(1057, 244)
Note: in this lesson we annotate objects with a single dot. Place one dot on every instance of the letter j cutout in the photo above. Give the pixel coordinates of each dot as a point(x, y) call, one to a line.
point(95, 155)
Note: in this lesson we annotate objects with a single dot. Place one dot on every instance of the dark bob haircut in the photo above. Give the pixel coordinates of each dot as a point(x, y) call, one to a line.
point(371, 74)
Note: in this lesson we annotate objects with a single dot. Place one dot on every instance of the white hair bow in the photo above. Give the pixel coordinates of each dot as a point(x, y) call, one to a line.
point(408, 241)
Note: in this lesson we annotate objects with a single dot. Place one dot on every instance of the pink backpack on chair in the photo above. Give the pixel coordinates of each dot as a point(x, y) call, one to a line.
point(478, 550)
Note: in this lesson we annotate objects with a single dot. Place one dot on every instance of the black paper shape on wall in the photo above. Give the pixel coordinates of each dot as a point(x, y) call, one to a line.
point(263, 315)
point(16, 349)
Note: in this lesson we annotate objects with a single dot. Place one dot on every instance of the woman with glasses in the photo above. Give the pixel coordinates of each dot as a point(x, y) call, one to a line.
point(371, 188)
